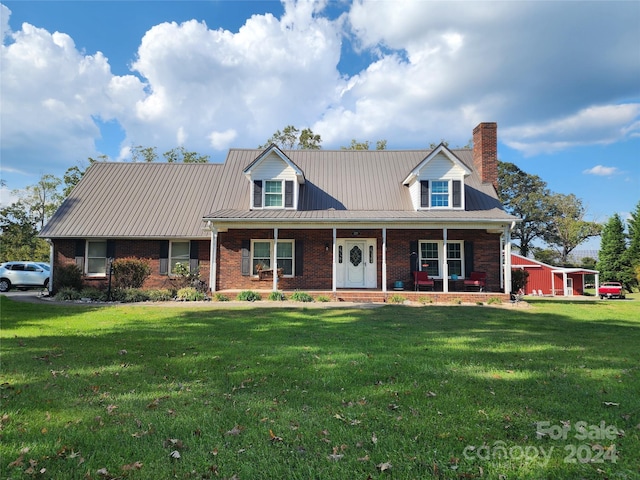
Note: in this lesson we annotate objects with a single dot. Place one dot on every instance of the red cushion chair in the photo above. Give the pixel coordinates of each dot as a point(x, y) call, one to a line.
point(476, 280)
point(422, 279)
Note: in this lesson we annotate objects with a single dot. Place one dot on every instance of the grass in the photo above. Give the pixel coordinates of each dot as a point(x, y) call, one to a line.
point(267, 393)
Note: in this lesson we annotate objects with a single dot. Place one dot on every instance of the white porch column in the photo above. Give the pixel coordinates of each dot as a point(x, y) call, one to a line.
point(213, 260)
point(274, 267)
point(565, 288)
point(384, 260)
point(597, 281)
point(445, 265)
point(553, 284)
point(334, 265)
point(507, 260)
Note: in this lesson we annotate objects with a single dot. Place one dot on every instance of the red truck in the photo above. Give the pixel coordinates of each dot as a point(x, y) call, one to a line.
point(611, 290)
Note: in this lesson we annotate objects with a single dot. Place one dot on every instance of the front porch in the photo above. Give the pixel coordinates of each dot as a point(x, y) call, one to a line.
point(378, 296)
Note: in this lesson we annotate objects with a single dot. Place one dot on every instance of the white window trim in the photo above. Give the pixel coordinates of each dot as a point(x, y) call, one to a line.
point(442, 256)
point(264, 194)
point(449, 194)
point(171, 242)
point(283, 188)
point(272, 260)
point(86, 259)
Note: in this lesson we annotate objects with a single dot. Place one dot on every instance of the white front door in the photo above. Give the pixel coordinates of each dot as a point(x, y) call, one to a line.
point(356, 263)
point(569, 286)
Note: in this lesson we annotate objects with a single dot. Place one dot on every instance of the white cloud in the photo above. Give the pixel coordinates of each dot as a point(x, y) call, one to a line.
point(602, 171)
point(222, 140)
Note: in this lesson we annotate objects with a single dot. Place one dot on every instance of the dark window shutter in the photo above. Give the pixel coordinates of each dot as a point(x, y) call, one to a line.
point(424, 194)
point(299, 258)
point(288, 194)
point(164, 257)
point(457, 194)
point(468, 259)
point(111, 248)
point(193, 256)
point(80, 248)
point(257, 193)
point(246, 257)
point(413, 255)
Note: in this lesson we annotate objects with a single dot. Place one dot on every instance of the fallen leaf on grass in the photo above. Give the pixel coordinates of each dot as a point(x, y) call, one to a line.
point(611, 404)
point(364, 459)
point(431, 394)
point(235, 430)
point(175, 454)
point(384, 466)
point(111, 408)
point(274, 438)
point(374, 439)
point(132, 466)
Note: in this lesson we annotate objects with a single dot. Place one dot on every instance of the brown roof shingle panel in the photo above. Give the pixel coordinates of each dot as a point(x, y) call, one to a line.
point(169, 200)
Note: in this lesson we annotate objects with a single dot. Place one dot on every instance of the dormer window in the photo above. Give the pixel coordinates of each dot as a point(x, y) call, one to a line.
point(273, 194)
point(440, 194)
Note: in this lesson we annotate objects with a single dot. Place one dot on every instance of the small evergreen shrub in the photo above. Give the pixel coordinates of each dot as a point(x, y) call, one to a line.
point(132, 295)
point(249, 296)
point(93, 294)
point(67, 293)
point(220, 297)
point(190, 294)
point(130, 272)
point(456, 301)
point(396, 298)
point(301, 297)
point(277, 297)
point(425, 300)
point(322, 298)
point(161, 295)
point(494, 301)
point(67, 276)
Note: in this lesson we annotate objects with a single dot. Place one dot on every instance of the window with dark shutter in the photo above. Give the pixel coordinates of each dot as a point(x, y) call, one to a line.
point(424, 193)
point(413, 256)
point(457, 194)
point(299, 258)
point(257, 193)
point(164, 257)
point(288, 194)
point(80, 251)
point(468, 259)
point(193, 256)
point(245, 265)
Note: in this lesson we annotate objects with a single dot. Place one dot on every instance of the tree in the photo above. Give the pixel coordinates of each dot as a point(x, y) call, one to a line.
point(290, 138)
point(632, 254)
point(565, 224)
point(42, 199)
point(355, 145)
point(611, 261)
point(546, 255)
point(525, 196)
point(19, 235)
point(181, 154)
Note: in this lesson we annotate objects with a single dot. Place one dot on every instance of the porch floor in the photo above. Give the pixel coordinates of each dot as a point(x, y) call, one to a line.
point(378, 296)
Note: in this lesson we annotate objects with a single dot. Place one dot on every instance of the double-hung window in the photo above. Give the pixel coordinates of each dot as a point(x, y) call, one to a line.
point(179, 253)
point(454, 258)
point(439, 193)
point(429, 260)
point(433, 255)
point(96, 258)
point(273, 193)
point(263, 256)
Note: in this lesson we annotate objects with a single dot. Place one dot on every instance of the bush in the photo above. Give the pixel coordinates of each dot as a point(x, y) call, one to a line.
point(301, 297)
point(93, 294)
point(396, 298)
point(249, 296)
point(219, 297)
point(494, 300)
point(132, 295)
point(67, 293)
point(425, 300)
point(187, 278)
point(190, 294)
point(161, 295)
point(456, 301)
point(322, 298)
point(67, 276)
point(130, 272)
point(519, 279)
point(277, 297)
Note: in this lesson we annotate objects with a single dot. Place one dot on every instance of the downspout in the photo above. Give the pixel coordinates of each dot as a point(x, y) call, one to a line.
point(507, 258)
point(445, 265)
point(274, 268)
point(51, 257)
point(213, 260)
point(334, 266)
point(384, 260)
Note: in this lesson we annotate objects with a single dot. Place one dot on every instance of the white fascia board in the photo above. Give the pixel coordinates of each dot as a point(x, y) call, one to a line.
point(274, 149)
point(442, 148)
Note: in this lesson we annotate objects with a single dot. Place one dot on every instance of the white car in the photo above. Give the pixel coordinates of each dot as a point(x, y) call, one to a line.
point(24, 275)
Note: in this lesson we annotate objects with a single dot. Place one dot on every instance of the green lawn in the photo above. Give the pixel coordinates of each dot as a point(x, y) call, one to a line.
point(153, 392)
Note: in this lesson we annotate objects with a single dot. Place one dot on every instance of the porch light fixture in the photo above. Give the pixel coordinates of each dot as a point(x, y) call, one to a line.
point(355, 233)
point(326, 247)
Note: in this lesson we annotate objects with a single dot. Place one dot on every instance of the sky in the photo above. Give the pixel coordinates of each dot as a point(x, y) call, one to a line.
point(82, 79)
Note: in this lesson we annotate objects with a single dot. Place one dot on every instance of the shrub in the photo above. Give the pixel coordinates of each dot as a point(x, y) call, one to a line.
point(190, 294)
point(130, 272)
point(188, 278)
point(277, 297)
point(161, 295)
point(132, 295)
point(93, 294)
point(425, 300)
point(396, 298)
point(456, 301)
point(519, 279)
point(249, 296)
point(494, 300)
point(301, 297)
point(220, 297)
point(67, 276)
point(67, 293)
point(322, 298)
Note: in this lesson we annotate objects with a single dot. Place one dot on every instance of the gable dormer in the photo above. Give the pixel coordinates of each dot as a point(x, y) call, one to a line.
point(437, 183)
point(275, 181)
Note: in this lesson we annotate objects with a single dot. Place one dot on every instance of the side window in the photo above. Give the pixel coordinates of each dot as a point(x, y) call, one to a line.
point(179, 253)
point(285, 257)
point(261, 256)
point(429, 258)
point(96, 263)
point(273, 193)
point(439, 193)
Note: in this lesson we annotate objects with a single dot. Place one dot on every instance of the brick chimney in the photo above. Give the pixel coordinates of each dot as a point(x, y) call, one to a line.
point(485, 152)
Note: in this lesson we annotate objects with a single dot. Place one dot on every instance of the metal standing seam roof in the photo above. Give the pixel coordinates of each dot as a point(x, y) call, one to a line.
point(170, 200)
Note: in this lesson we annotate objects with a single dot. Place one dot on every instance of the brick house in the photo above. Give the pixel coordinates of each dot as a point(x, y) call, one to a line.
point(330, 221)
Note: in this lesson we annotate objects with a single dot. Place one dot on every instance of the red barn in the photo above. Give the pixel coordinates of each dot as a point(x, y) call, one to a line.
point(549, 280)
